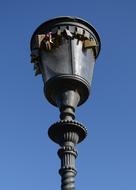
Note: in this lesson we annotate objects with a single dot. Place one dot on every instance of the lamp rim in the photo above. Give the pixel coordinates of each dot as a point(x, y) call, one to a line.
point(47, 25)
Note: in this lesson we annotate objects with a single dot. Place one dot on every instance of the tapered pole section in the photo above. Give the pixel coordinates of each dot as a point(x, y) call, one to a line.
point(67, 133)
point(68, 153)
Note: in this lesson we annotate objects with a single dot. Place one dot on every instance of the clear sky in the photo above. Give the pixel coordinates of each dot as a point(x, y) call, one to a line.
point(107, 157)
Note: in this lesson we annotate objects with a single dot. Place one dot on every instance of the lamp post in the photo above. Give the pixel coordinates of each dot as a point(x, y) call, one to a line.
point(64, 51)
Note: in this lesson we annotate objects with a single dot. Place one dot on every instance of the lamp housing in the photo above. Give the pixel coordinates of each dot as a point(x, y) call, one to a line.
point(64, 51)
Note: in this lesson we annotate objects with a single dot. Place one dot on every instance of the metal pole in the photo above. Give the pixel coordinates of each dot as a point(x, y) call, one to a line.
point(67, 133)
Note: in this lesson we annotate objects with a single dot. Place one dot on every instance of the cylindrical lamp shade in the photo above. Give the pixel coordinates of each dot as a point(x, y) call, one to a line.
point(64, 51)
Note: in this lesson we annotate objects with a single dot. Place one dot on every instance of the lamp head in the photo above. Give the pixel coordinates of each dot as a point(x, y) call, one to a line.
point(64, 51)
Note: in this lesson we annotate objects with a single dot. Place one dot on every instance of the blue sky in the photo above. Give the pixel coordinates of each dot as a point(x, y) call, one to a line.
point(107, 158)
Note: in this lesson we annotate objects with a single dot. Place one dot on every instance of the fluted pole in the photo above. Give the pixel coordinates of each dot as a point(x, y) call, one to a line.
point(68, 154)
point(67, 133)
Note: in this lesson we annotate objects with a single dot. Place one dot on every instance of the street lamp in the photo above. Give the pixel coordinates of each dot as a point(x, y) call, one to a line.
point(64, 51)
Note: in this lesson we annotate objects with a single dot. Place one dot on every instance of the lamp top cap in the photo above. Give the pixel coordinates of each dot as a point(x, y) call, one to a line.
point(65, 20)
